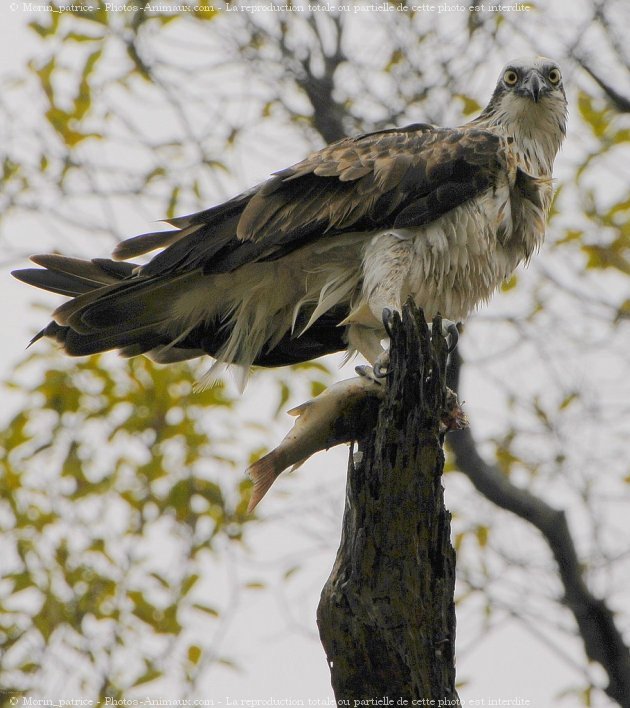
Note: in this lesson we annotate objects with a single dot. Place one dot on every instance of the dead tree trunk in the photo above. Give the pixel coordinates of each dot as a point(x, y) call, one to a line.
point(386, 615)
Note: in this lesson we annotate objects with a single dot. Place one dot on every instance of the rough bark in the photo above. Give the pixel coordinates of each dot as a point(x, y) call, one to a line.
point(386, 615)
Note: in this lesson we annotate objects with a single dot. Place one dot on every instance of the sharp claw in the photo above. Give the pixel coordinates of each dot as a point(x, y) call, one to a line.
point(388, 318)
point(453, 337)
point(368, 372)
point(380, 371)
point(381, 365)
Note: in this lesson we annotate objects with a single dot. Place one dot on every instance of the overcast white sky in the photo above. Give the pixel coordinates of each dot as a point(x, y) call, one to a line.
point(279, 663)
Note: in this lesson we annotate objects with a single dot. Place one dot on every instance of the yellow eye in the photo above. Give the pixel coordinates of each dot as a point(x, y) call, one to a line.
point(554, 76)
point(510, 77)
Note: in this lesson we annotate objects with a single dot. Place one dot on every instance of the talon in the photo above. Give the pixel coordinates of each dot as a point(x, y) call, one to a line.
point(380, 371)
point(368, 372)
point(381, 365)
point(388, 318)
point(365, 371)
point(452, 337)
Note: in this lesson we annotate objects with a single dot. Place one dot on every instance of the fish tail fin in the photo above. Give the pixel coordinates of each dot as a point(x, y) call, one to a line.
point(263, 474)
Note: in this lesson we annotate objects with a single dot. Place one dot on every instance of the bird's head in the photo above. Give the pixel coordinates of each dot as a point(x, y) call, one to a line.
point(538, 80)
point(529, 103)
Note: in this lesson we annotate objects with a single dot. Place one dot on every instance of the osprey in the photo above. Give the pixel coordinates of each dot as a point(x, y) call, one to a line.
point(305, 263)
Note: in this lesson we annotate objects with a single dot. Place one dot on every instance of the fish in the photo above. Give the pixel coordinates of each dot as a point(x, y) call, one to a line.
point(342, 413)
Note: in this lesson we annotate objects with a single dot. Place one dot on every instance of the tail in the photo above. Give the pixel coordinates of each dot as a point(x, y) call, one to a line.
point(73, 276)
point(109, 308)
point(263, 474)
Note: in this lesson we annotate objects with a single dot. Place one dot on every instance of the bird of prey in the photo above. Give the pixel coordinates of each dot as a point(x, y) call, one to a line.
point(305, 263)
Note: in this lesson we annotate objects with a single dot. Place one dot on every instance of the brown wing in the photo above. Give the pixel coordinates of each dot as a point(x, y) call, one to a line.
point(395, 178)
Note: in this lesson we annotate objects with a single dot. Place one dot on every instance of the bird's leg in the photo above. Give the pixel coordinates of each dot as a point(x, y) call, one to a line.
point(451, 334)
point(386, 266)
point(387, 317)
point(367, 372)
point(381, 363)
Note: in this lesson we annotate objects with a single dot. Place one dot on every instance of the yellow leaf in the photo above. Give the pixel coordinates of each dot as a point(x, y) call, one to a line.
point(255, 586)
point(317, 387)
point(395, 58)
point(509, 284)
point(470, 105)
point(481, 532)
point(569, 236)
point(150, 675)
point(194, 654)
point(624, 311)
point(568, 400)
point(172, 203)
point(598, 119)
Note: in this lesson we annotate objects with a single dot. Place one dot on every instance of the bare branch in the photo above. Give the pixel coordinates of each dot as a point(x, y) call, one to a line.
point(602, 640)
point(621, 103)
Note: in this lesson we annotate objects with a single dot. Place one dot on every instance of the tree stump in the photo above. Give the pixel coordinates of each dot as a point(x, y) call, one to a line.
point(386, 615)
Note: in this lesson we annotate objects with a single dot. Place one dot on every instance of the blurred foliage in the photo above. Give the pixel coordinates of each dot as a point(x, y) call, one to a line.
point(121, 486)
point(103, 460)
point(118, 482)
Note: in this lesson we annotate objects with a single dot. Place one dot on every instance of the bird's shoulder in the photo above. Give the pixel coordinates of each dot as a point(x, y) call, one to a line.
point(398, 177)
point(365, 181)
point(350, 159)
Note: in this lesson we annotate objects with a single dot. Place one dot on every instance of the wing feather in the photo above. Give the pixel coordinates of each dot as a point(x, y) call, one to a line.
point(394, 178)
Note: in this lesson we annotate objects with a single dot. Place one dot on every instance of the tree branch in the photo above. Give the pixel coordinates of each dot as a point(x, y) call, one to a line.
point(620, 102)
point(386, 615)
point(328, 114)
point(602, 640)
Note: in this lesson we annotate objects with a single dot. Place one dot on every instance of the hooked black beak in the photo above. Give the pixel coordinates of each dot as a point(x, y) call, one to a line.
point(535, 86)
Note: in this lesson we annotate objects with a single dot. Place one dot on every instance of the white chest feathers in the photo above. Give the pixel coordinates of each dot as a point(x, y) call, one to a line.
point(454, 263)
